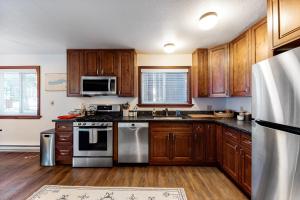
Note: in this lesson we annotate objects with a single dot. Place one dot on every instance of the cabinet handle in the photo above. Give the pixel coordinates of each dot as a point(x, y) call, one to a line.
point(196, 136)
point(63, 127)
point(97, 70)
point(235, 147)
point(102, 71)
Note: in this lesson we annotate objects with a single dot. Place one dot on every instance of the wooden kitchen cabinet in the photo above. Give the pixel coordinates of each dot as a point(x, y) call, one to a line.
point(199, 130)
point(109, 63)
point(63, 142)
point(127, 72)
point(97, 62)
point(211, 155)
point(171, 143)
point(219, 142)
point(283, 20)
point(200, 73)
point(240, 65)
point(218, 71)
point(231, 158)
point(91, 62)
point(237, 157)
point(259, 41)
point(75, 69)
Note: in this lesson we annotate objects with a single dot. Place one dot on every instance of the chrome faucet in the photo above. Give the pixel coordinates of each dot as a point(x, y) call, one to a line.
point(167, 112)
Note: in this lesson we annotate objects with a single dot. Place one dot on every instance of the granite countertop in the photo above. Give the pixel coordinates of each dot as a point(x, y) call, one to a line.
point(244, 126)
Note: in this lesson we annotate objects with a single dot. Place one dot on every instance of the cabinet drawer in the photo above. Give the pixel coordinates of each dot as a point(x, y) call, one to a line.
point(231, 135)
point(64, 126)
point(171, 127)
point(64, 150)
point(246, 141)
point(64, 137)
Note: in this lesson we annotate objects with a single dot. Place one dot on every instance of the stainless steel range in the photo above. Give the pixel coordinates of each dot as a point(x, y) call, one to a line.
point(93, 137)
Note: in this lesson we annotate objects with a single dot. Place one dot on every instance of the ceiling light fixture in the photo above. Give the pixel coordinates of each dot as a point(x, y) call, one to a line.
point(208, 20)
point(169, 47)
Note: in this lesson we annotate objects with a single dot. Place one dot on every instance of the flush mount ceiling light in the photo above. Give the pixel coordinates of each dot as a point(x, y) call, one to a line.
point(208, 20)
point(169, 47)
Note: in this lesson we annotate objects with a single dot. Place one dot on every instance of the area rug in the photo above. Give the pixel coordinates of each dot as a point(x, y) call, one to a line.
point(57, 192)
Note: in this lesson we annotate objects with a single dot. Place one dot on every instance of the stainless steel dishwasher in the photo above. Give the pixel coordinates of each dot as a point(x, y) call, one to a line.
point(133, 143)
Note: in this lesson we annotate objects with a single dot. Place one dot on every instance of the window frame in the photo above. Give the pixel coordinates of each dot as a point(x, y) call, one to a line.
point(38, 115)
point(189, 102)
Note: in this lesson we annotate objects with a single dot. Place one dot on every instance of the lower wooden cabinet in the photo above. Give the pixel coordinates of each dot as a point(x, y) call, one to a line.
point(237, 157)
point(199, 150)
point(171, 143)
point(63, 142)
point(219, 143)
point(231, 158)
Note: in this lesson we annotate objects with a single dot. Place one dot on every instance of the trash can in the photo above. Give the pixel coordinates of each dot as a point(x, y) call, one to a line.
point(47, 148)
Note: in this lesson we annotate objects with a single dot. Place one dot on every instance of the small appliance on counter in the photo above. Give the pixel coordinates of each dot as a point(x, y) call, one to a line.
point(93, 137)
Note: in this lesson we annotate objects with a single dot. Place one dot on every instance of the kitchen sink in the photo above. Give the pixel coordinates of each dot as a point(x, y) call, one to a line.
point(168, 117)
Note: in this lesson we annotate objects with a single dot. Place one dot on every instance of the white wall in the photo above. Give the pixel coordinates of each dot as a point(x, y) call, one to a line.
point(26, 132)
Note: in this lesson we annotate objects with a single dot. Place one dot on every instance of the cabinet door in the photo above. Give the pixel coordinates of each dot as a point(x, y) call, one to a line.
point(92, 58)
point(200, 73)
point(109, 63)
point(75, 64)
point(182, 147)
point(126, 74)
point(219, 138)
point(231, 158)
point(211, 155)
point(240, 67)
point(160, 147)
point(199, 142)
point(259, 34)
point(245, 169)
point(218, 64)
point(283, 16)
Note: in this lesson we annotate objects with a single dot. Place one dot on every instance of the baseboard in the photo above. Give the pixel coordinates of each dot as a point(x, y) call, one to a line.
point(19, 148)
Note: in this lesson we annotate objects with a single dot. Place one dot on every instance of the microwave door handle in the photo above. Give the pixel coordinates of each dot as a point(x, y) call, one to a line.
point(109, 85)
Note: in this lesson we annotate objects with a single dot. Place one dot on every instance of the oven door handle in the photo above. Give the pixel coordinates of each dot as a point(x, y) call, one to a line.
point(103, 129)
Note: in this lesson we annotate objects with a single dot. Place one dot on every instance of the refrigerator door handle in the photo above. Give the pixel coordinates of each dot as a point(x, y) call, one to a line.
point(285, 128)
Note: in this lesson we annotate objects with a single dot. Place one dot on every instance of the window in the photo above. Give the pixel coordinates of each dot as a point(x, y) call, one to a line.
point(164, 86)
point(19, 92)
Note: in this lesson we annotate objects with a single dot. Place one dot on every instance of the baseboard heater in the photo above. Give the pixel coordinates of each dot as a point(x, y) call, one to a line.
point(19, 148)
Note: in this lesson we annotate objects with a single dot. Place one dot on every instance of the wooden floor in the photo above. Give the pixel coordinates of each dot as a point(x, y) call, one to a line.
point(21, 175)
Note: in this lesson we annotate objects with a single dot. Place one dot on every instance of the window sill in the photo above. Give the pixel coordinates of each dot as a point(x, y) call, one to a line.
point(166, 105)
point(20, 117)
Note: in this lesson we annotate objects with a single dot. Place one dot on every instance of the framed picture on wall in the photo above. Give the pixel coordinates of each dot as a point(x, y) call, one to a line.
point(56, 82)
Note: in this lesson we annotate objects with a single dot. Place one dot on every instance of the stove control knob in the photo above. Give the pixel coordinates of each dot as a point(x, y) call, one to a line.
point(93, 124)
point(79, 124)
point(83, 123)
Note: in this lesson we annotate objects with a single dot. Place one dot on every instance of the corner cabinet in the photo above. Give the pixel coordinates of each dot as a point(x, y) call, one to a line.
point(218, 69)
point(101, 62)
point(283, 20)
point(240, 65)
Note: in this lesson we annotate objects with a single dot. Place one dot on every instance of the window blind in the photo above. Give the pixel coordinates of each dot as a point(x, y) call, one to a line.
point(18, 92)
point(164, 86)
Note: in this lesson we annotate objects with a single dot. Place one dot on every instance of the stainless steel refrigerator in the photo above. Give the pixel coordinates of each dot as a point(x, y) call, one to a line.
point(276, 131)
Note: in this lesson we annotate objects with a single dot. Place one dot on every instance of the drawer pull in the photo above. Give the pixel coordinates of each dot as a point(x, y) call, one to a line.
point(63, 127)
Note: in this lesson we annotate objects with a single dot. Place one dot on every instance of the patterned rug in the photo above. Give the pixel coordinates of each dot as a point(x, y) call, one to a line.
point(57, 192)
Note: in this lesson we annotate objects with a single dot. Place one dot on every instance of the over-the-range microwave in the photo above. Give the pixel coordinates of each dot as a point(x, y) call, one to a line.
point(98, 85)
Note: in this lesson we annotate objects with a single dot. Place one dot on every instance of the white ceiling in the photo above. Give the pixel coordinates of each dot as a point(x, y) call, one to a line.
point(52, 26)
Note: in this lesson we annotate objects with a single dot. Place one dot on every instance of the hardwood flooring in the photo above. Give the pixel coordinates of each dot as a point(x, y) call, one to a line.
point(21, 175)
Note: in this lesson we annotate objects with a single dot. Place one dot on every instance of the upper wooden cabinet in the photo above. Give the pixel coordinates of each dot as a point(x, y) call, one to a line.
point(75, 69)
point(127, 71)
point(283, 20)
point(97, 62)
point(109, 63)
point(240, 66)
point(259, 41)
point(218, 69)
point(200, 73)
point(91, 62)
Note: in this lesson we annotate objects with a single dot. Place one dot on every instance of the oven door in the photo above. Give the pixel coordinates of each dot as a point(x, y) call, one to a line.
point(93, 141)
